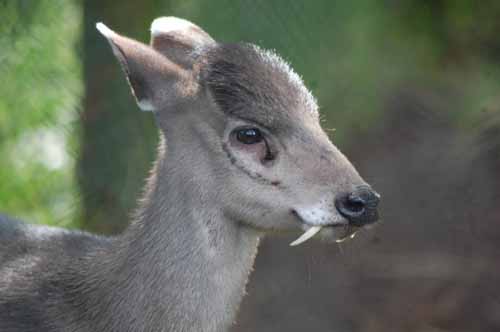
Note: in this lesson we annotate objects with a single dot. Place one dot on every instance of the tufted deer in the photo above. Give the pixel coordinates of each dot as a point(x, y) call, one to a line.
point(241, 154)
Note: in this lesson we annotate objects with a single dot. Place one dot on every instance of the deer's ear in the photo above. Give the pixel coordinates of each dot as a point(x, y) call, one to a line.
point(152, 78)
point(179, 40)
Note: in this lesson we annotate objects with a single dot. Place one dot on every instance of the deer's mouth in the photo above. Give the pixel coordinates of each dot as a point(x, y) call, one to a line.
point(333, 232)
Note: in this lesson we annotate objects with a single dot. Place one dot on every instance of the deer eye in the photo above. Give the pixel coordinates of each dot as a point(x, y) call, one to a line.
point(249, 135)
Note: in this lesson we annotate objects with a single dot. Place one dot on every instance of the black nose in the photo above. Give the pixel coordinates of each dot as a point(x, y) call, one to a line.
point(359, 207)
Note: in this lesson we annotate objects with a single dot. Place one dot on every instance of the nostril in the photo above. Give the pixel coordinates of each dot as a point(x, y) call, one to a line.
point(355, 204)
point(359, 207)
point(350, 206)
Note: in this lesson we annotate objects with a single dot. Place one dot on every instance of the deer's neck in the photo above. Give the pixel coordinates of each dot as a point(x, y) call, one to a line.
point(182, 265)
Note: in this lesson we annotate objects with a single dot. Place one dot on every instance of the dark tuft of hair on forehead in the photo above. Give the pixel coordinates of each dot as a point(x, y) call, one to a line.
point(248, 81)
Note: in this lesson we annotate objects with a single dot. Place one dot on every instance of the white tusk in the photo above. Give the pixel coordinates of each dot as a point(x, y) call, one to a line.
point(306, 236)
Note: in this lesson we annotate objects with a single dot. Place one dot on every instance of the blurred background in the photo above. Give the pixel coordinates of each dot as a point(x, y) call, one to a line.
point(411, 86)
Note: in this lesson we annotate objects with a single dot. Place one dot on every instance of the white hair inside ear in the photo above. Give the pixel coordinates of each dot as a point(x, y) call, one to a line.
point(163, 25)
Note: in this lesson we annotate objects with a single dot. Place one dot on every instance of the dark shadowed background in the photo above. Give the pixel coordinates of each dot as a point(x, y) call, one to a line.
point(411, 86)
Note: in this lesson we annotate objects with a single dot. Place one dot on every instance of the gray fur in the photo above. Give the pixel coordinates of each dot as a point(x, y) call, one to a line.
point(249, 82)
point(183, 263)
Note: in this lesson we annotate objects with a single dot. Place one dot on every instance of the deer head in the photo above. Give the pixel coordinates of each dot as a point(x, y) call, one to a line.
point(240, 123)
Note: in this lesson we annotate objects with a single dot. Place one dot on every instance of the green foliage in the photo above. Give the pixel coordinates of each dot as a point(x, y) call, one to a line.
point(39, 96)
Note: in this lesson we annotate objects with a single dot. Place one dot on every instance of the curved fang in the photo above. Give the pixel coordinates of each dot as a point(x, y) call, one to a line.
point(306, 236)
